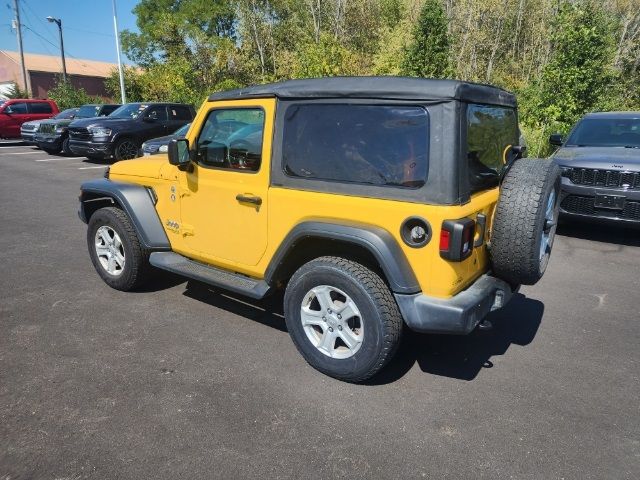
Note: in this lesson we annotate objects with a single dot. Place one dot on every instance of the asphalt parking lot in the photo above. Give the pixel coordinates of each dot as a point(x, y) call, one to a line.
point(180, 381)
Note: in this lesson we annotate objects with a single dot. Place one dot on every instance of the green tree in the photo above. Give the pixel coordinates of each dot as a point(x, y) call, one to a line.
point(14, 91)
point(133, 88)
point(579, 76)
point(429, 54)
point(67, 96)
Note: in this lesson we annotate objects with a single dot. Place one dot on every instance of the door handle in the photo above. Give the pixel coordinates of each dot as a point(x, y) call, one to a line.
point(249, 199)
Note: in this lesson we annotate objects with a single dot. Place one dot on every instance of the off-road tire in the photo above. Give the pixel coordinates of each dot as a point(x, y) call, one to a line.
point(380, 316)
point(520, 218)
point(136, 268)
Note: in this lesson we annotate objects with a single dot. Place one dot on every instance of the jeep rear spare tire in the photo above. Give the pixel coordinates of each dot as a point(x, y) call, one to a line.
point(525, 221)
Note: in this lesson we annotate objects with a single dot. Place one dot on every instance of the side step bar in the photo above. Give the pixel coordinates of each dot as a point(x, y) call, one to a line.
point(176, 263)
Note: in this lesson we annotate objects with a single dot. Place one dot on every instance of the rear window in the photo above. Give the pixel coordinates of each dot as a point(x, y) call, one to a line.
point(40, 107)
point(490, 130)
point(382, 145)
point(177, 112)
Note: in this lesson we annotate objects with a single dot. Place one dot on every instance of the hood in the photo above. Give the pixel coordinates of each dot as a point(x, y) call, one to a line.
point(101, 121)
point(139, 167)
point(64, 122)
point(160, 140)
point(605, 158)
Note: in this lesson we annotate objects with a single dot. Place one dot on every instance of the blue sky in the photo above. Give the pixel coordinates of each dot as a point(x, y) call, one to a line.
point(87, 26)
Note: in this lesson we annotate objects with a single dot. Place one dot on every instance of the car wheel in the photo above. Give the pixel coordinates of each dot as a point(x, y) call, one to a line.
point(115, 250)
point(65, 147)
point(126, 149)
point(342, 318)
point(525, 222)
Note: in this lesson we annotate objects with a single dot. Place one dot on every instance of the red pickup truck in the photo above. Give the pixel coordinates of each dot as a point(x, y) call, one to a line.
point(15, 111)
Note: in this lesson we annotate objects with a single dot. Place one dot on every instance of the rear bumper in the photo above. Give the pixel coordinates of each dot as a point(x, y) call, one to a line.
point(578, 202)
point(459, 314)
point(91, 149)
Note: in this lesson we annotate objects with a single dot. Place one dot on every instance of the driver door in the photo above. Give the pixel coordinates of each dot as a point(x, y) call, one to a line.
point(224, 193)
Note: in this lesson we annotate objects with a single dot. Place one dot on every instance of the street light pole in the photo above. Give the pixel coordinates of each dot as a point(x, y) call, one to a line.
point(115, 28)
point(64, 64)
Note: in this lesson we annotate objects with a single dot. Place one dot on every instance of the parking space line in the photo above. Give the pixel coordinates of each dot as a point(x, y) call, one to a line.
point(87, 168)
point(22, 153)
point(53, 159)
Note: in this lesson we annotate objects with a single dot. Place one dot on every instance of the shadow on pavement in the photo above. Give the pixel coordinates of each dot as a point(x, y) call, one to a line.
point(462, 357)
point(607, 233)
point(267, 311)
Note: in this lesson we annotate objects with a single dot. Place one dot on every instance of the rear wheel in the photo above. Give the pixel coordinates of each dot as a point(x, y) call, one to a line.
point(525, 221)
point(342, 318)
point(65, 147)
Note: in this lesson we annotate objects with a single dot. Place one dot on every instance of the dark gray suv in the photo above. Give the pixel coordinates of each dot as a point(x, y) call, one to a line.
point(600, 162)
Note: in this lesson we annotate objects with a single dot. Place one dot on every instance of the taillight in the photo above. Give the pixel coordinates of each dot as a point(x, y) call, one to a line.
point(456, 239)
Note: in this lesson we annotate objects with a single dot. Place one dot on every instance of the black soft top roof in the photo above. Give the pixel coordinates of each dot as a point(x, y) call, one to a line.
point(394, 88)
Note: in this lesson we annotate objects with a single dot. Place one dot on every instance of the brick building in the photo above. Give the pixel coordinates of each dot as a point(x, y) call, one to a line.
point(43, 71)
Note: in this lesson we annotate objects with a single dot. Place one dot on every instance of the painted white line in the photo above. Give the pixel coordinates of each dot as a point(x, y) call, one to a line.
point(22, 153)
point(87, 168)
point(53, 159)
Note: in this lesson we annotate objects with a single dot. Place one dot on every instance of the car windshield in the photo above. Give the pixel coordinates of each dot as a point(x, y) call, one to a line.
point(606, 132)
point(88, 111)
point(67, 114)
point(182, 130)
point(130, 110)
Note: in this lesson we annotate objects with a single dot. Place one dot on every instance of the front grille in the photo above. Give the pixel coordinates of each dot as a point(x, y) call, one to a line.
point(28, 128)
point(79, 133)
point(585, 206)
point(47, 128)
point(602, 178)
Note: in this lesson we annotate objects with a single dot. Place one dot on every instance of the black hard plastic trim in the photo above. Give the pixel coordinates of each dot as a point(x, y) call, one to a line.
point(459, 314)
point(379, 242)
point(136, 202)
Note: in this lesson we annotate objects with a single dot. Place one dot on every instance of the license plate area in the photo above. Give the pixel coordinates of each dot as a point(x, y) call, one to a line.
point(610, 202)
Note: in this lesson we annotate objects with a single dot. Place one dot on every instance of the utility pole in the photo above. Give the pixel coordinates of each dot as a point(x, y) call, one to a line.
point(115, 27)
point(19, 34)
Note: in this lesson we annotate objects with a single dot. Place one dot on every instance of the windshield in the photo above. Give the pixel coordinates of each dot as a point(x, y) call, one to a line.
point(66, 114)
point(88, 111)
point(606, 132)
point(182, 130)
point(2, 102)
point(130, 110)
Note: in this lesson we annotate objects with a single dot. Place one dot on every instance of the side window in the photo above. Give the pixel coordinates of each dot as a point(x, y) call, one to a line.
point(40, 107)
point(232, 139)
point(490, 130)
point(107, 109)
point(157, 113)
point(384, 145)
point(16, 108)
point(177, 112)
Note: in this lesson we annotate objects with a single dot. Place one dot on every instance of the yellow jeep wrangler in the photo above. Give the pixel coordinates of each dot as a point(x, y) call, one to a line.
point(373, 202)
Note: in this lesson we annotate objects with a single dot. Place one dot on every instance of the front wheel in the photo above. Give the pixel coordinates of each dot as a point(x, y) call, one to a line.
point(115, 251)
point(126, 149)
point(342, 318)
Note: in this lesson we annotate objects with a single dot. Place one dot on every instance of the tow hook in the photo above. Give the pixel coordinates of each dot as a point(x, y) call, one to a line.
point(485, 325)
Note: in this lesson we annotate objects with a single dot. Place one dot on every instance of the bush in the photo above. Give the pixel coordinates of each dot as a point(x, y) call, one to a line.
point(67, 96)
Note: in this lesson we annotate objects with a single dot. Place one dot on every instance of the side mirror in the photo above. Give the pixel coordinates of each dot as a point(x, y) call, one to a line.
point(556, 139)
point(8, 110)
point(179, 152)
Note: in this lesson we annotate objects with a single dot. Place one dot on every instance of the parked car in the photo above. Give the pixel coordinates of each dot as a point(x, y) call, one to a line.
point(371, 201)
point(600, 162)
point(14, 112)
point(29, 129)
point(53, 135)
point(121, 134)
point(160, 144)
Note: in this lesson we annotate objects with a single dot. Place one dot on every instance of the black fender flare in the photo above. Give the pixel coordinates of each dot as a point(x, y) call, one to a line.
point(135, 200)
point(378, 241)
